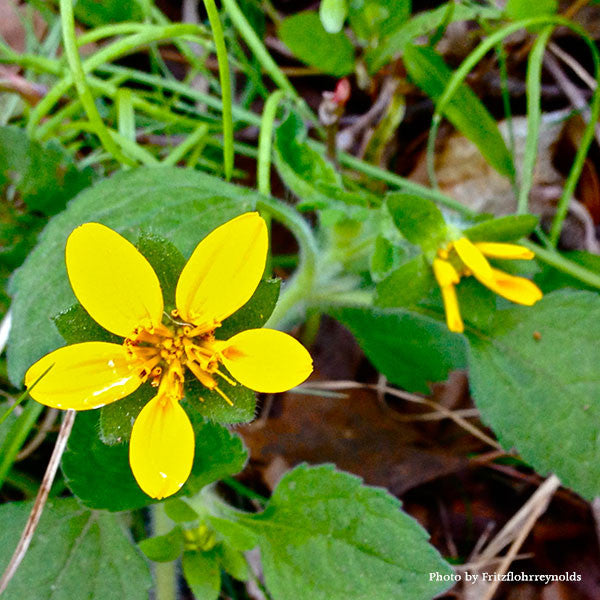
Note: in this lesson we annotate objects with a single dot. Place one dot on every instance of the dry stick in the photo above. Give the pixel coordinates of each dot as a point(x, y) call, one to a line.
point(40, 436)
point(571, 91)
point(517, 529)
point(40, 501)
point(575, 8)
point(573, 65)
point(595, 505)
point(340, 385)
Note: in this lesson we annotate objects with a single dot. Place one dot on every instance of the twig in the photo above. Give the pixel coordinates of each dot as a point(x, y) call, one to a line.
point(40, 500)
point(595, 505)
point(573, 65)
point(437, 416)
point(339, 385)
point(572, 92)
point(5, 329)
point(472, 566)
point(40, 436)
point(347, 137)
point(575, 8)
point(515, 531)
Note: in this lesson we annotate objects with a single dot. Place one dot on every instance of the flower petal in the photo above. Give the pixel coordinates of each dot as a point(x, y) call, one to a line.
point(223, 271)
point(445, 273)
point(508, 251)
point(112, 280)
point(453, 319)
point(266, 360)
point(161, 450)
point(84, 376)
point(473, 259)
point(515, 289)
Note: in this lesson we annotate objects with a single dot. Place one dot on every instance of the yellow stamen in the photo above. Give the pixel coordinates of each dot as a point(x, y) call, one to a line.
point(227, 379)
point(223, 396)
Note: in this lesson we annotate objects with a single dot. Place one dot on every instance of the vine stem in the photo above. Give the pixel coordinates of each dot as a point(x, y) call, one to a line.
point(302, 283)
point(40, 500)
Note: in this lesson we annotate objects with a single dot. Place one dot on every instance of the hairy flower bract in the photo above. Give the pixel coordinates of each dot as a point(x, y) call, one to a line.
point(120, 290)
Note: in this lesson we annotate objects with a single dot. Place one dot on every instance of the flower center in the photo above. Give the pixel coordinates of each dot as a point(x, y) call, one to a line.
point(160, 354)
point(450, 255)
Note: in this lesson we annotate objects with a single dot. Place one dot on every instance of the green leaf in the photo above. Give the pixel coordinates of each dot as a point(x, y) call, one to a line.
point(324, 536)
point(180, 511)
point(233, 562)
point(255, 313)
point(166, 261)
point(100, 475)
point(304, 35)
point(410, 349)
point(75, 553)
point(181, 205)
point(419, 220)
point(421, 24)
point(96, 13)
point(465, 111)
point(237, 535)
point(203, 574)
point(407, 285)
point(117, 418)
point(503, 229)
point(534, 377)
point(164, 548)
point(76, 326)
point(45, 177)
point(333, 14)
point(210, 405)
point(301, 167)
point(387, 256)
point(374, 19)
point(523, 9)
point(219, 453)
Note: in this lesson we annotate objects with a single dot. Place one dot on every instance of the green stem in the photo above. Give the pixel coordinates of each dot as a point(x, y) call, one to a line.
point(265, 142)
point(17, 436)
point(78, 75)
point(302, 283)
point(534, 117)
point(459, 76)
point(257, 47)
point(125, 113)
point(165, 573)
point(107, 54)
point(560, 263)
point(177, 87)
point(502, 61)
point(405, 184)
point(188, 144)
point(243, 490)
point(225, 79)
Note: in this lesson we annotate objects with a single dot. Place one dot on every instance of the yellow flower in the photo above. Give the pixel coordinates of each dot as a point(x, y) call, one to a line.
point(119, 289)
point(464, 258)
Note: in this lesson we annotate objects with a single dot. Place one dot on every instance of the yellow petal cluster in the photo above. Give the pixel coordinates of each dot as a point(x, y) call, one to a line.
point(463, 258)
point(120, 290)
